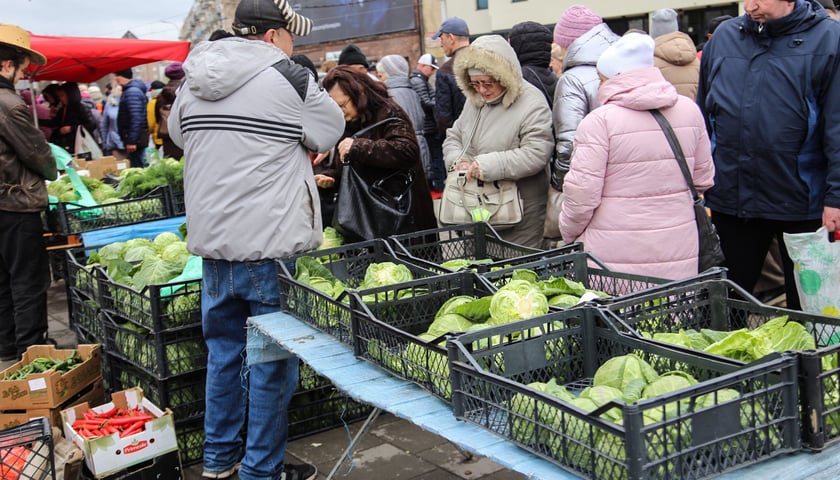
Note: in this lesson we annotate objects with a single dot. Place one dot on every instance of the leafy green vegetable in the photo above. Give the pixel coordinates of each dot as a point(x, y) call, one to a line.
point(476, 311)
point(518, 300)
point(383, 274)
point(617, 372)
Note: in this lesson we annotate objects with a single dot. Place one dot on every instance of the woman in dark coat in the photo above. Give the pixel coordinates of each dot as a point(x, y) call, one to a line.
point(69, 116)
point(380, 151)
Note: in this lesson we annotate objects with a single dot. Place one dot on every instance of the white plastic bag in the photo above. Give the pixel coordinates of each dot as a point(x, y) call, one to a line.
point(85, 143)
point(816, 266)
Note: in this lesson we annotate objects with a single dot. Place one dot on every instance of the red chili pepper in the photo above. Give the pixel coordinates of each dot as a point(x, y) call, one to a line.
point(110, 413)
point(134, 428)
point(131, 419)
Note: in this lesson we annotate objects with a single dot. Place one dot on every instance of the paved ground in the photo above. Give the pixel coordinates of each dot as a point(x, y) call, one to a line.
point(393, 449)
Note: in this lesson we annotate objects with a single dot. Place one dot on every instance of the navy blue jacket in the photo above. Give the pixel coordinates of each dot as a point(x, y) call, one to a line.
point(449, 99)
point(771, 99)
point(131, 120)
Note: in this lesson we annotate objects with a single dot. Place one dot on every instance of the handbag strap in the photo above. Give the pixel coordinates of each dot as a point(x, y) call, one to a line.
point(675, 146)
point(371, 127)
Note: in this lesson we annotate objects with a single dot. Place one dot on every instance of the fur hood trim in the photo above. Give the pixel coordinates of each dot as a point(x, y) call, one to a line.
point(493, 55)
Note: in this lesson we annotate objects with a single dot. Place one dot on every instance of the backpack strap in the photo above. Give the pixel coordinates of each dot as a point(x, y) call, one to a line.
point(296, 75)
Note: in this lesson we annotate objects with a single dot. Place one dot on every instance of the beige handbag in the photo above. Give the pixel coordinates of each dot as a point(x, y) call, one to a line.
point(497, 203)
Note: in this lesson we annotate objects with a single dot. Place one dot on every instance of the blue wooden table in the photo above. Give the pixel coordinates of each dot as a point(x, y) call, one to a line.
point(372, 385)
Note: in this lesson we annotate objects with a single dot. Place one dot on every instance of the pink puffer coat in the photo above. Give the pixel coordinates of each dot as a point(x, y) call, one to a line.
point(625, 196)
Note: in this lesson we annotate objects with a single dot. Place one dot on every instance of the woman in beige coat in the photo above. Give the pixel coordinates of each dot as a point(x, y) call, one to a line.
point(504, 131)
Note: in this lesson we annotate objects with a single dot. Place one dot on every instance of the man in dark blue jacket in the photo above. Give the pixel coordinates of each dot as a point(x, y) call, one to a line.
point(449, 100)
point(768, 90)
point(131, 119)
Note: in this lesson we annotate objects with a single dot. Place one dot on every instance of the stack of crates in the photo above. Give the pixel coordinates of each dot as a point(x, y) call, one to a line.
point(153, 340)
point(317, 406)
point(83, 297)
point(26, 451)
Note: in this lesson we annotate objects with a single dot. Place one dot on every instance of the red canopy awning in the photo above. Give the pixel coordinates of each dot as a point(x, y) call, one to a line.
point(87, 59)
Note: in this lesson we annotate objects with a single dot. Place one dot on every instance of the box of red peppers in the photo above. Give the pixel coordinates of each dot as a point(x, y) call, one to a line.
point(126, 431)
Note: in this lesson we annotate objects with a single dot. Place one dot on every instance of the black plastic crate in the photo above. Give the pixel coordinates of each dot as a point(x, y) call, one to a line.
point(178, 203)
point(735, 416)
point(80, 278)
point(723, 305)
point(584, 268)
point(348, 263)
point(189, 434)
point(161, 354)
point(26, 451)
point(471, 241)
point(386, 329)
point(183, 394)
point(67, 218)
point(85, 318)
point(156, 307)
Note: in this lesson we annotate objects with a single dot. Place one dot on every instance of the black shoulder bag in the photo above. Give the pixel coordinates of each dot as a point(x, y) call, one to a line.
point(376, 210)
point(711, 254)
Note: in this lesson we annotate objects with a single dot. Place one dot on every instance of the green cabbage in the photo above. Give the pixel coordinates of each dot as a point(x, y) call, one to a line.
point(617, 372)
point(383, 274)
point(518, 300)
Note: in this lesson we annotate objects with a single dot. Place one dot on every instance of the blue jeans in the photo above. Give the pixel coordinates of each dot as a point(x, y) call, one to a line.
point(231, 292)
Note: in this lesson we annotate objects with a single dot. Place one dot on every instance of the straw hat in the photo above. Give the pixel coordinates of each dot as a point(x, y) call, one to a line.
point(16, 37)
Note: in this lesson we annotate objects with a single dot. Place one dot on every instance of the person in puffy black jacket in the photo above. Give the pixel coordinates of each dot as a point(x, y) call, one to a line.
point(532, 44)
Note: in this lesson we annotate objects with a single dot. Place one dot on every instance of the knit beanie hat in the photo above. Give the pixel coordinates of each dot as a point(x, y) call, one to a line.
point(393, 66)
point(126, 73)
point(174, 71)
point(574, 22)
point(663, 22)
point(351, 55)
point(632, 51)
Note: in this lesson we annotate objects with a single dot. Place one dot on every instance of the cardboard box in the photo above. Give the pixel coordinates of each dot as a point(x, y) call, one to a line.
point(100, 167)
point(94, 393)
point(107, 455)
point(49, 389)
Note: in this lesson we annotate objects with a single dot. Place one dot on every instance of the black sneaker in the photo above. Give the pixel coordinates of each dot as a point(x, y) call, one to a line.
point(299, 472)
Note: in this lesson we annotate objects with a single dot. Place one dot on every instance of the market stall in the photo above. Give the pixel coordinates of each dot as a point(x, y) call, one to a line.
point(87, 59)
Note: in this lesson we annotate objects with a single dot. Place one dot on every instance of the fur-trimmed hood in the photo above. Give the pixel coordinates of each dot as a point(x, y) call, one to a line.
point(493, 55)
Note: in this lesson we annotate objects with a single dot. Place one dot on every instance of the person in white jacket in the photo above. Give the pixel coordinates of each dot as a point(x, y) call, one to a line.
point(246, 118)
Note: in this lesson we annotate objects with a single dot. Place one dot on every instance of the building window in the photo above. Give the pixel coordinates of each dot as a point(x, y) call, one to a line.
point(481, 4)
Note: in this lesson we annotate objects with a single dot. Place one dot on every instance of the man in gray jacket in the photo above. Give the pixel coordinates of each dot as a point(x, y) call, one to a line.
point(247, 118)
point(25, 161)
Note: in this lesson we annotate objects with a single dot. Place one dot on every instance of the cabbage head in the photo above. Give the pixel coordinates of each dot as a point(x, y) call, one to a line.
point(175, 251)
point(450, 305)
point(449, 323)
point(165, 238)
point(518, 300)
point(383, 274)
point(618, 372)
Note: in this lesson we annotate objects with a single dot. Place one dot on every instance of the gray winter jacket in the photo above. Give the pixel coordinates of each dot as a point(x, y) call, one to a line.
point(399, 88)
point(576, 94)
point(245, 128)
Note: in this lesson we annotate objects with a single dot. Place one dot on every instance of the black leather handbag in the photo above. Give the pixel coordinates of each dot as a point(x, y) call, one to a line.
point(373, 210)
point(711, 254)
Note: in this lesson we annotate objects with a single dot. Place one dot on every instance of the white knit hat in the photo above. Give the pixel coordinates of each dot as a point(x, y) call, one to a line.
point(633, 50)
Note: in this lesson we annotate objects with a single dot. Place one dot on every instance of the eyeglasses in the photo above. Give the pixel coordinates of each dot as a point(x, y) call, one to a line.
point(344, 104)
point(488, 84)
